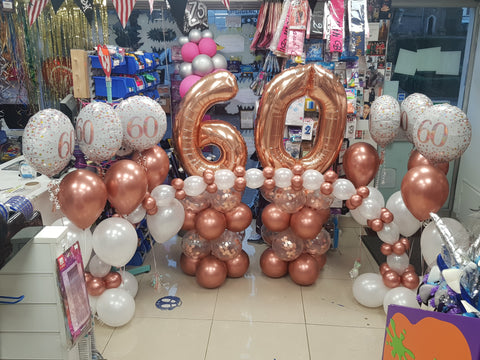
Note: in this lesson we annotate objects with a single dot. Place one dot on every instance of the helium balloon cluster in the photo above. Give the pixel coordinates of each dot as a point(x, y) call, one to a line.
point(199, 54)
point(441, 133)
point(215, 221)
point(453, 282)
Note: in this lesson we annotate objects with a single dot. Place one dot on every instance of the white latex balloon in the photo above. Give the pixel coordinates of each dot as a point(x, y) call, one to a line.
point(343, 189)
point(115, 307)
point(283, 177)
point(167, 221)
point(369, 290)
point(194, 185)
point(143, 120)
point(431, 241)
point(163, 194)
point(376, 195)
point(412, 108)
point(93, 303)
point(97, 267)
point(370, 209)
point(115, 241)
point(224, 179)
point(358, 217)
point(400, 296)
point(99, 131)
point(129, 283)
point(74, 234)
point(136, 215)
point(399, 263)
point(312, 179)
point(389, 234)
point(407, 223)
point(254, 178)
point(48, 141)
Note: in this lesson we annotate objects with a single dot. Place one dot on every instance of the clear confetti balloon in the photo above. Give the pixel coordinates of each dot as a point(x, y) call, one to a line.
point(195, 246)
point(143, 120)
point(412, 108)
point(287, 246)
point(442, 133)
point(227, 246)
point(48, 141)
point(384, 120)
point(289, 200)
point(320, 244)
point(99, 131)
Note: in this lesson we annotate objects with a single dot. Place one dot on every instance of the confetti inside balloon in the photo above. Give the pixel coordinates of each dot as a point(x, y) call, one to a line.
point(384, 120)
point(412, 108)
point(442, 133)
point(48, 141)
point(99, 131)
point(144, 122)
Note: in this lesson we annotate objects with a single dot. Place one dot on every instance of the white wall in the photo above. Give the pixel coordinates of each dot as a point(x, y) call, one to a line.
point(467, 195)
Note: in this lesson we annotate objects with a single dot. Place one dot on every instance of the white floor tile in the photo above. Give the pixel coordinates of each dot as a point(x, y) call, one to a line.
point(103, 333)
point(341, 261)
point(334, 342)
point(257, 297)
point(154, 338)
point(331, 302)
point(257, 340)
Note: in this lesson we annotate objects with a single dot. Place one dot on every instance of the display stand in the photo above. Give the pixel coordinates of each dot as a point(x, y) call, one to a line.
point(34, 328)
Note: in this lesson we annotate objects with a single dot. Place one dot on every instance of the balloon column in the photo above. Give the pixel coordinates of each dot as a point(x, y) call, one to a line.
point(215, 220)
point(199, 54)
point(440, 133)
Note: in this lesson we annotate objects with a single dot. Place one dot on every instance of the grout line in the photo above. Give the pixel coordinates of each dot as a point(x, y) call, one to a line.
point(305, 320)
point(106, 343)
point(211, 326)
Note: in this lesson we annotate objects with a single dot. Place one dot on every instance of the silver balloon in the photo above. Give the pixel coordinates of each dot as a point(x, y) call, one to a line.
point(195, 36)
point(207, 34)
point(202, 65)
point(183, 40)
point(219, 61)
point(185, 69)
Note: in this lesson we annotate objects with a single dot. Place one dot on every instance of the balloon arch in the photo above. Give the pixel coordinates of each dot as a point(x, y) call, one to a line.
point(207, 204)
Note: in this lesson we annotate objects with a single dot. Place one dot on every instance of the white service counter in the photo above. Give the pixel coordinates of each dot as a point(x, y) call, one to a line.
point(36, 190)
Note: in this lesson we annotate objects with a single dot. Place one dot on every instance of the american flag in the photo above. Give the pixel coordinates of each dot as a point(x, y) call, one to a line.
point(226, 3)
point(35, 8)
point(124, 9)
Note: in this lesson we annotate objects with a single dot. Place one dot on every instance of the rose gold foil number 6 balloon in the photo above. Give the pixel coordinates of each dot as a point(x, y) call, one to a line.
point(191, 134)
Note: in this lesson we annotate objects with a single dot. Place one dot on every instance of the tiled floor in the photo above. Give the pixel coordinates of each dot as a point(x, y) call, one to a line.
point(254, 317)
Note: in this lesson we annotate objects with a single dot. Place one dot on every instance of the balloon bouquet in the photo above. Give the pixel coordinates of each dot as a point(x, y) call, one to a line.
point(133, 187)
point(199, 54)
point(440, 133)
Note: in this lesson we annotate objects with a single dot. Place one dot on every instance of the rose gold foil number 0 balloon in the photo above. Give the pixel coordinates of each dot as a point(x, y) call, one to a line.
point(321, 86)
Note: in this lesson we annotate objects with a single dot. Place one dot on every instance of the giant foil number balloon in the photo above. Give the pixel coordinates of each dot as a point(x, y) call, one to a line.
point(328, 93)
point(442, 133)
point(99, 131)
point(144, 122)
point(191, 134)
point(48, 141)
